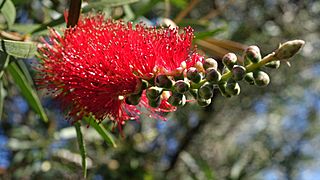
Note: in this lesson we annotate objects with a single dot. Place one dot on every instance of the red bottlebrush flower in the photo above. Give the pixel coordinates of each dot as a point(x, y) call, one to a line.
point(92, 67)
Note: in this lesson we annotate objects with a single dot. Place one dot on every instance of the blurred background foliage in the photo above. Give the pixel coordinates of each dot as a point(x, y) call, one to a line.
point(265, 133)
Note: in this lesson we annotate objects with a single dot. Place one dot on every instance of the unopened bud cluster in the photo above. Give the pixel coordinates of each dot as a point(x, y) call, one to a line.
point(199, 82)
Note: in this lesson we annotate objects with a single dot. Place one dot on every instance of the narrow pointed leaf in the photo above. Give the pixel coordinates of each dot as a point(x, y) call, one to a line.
point(82, 148)
point(27, 91)
point(102, 131)
point(18, 49)
point(4, 61)
point(44, 27)
point(2, 96)
point(8, 11)
point(24, 69)
point(202, 35)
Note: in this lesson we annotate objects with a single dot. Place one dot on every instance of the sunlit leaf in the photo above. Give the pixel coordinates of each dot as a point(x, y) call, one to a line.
point(102, 131)
point(27, 91)
point(8, 11)
point(82, 148)
point(18, 49)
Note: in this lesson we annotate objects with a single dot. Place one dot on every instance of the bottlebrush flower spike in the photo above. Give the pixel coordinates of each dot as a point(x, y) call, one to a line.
point(93, 66)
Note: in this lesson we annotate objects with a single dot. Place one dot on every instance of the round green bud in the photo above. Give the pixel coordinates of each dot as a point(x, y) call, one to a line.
point(213, 75)
point(163, 81)
point(203, 102)
point(273, 64)
point(229, 60)
point(133, 99)
point(249, 78)
point(233, 88)
point(177, 99)
point(210, 63)
point(181, 86)
point(205, 91)
point(222, 87)
point(153, 93)
point(252, 53)
point(154, 102)
point(261, 78)
point(238, 72)
point(194, 75)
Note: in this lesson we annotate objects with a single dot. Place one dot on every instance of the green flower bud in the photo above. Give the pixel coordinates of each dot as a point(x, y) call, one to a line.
point(238, 72)
point(205, 91)
point(273, 64)
point(163, 81)
point(229, 60)
point(261, 78)
point(194, 75)
point(153, 93)
point(154, 102)
point(203, 102)
point(288, 49)
point(181, 86)
point(213, 75)
point(249, 78)
point(252, 53)
point(222, 87)
point(133, 99)
point(177, 99)
point(210, 63)
point(233, 88)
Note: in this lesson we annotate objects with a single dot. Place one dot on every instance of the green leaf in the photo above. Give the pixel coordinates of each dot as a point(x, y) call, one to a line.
point(44, 27)
point(27, 91)
point(129, 13)
point(22, 66)
point(202, 35)
point(82, 148)
point(18, 49)
point(2, 96)
point(9, 11)
point(4, 61)
point(101, 130)
point(180, 3)
point(24, 28)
